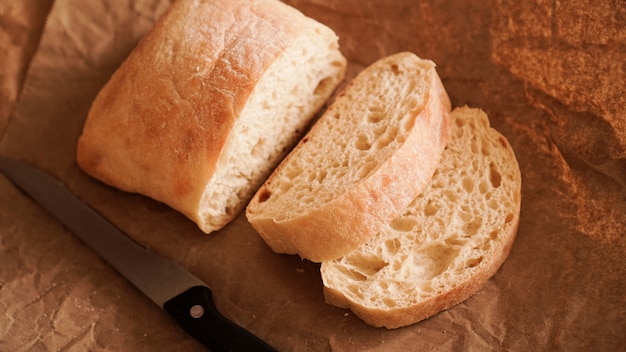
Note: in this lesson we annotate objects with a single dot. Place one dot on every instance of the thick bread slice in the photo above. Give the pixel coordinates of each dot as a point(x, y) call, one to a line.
point(209, 102)
point(446, 244)
point(368, 156)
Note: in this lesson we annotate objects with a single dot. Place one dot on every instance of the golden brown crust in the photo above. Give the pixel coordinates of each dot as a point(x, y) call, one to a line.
point(167, 111)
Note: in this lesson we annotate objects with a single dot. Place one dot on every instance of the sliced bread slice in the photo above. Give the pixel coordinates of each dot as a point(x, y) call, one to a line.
point(447, 244)
point(372, 151)
point(209, 102)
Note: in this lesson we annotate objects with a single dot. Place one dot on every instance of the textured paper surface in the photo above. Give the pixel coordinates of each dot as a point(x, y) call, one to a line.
point(21, 23)
point(549, 74)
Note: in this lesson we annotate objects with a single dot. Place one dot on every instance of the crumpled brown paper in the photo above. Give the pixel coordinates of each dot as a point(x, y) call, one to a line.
point(21, 23)
point(550, 75)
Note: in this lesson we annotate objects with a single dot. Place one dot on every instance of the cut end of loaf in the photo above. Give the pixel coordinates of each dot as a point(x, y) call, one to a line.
point(347, 177)
point(446, 244)
point(279, 110)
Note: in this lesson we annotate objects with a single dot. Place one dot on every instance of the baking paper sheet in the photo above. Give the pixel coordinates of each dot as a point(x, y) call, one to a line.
point(550, 75)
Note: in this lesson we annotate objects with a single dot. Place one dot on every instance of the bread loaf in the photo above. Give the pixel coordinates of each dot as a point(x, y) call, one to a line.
point(209, 102)
point(445, 245)
point(371, 152)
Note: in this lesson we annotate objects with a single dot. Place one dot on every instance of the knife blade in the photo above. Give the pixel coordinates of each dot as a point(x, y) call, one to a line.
point(181, 294)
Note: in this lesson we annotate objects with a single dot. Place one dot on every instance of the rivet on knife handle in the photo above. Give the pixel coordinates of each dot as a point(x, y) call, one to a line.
point(196, 313)
point(170, 286)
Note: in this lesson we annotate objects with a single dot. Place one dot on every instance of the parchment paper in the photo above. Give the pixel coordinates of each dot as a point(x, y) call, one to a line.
point(551, 76)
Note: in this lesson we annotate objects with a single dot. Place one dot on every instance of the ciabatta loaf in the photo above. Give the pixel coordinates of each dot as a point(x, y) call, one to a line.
point(209, 102)
point(444, 246)
point(371, 152)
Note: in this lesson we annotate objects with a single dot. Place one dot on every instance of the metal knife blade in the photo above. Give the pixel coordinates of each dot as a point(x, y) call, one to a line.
point(185, 297)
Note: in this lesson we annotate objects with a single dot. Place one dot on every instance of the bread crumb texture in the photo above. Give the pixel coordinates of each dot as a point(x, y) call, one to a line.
point(447, 243)
point(348, 176)
point(353, 138)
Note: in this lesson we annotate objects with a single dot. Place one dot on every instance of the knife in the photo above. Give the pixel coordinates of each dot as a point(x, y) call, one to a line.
point(185, 297)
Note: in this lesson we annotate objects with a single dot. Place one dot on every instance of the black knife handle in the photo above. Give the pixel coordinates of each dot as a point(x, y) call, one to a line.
point(195, 311)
